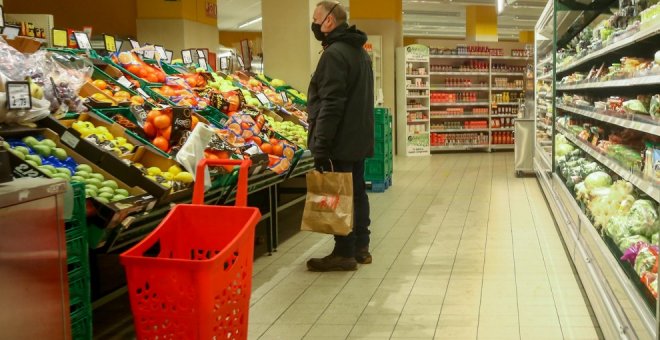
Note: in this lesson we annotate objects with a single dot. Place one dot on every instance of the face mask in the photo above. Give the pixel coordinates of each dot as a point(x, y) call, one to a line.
point(316, 28)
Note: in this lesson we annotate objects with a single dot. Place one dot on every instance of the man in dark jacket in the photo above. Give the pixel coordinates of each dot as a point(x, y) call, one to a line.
point(341, 129)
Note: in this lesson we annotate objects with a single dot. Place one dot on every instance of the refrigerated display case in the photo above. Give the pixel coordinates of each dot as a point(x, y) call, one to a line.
point(597, 133)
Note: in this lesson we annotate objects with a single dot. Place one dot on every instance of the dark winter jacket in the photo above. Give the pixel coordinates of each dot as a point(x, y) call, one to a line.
point(341, 99)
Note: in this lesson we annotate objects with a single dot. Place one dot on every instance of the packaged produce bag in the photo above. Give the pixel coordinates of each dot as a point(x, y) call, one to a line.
point(329, 203)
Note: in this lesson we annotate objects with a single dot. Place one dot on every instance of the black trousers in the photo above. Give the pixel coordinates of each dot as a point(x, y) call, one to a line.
point(346, 245)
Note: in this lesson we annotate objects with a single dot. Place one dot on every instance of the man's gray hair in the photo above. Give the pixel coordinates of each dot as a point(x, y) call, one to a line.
point(339, 12)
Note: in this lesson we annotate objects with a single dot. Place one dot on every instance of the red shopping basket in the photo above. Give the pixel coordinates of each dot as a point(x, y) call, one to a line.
point(191, 278)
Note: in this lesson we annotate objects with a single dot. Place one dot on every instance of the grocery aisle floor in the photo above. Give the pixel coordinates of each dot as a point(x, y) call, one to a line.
point(462, 250)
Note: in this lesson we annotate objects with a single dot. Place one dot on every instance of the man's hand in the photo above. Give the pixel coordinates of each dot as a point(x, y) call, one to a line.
point(322, 164)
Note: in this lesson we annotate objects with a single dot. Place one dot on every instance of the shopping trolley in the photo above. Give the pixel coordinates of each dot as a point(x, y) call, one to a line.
point(191, 277)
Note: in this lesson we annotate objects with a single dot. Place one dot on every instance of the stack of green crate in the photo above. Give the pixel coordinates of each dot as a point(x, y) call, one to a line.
point(378, 169)
point(78, 266)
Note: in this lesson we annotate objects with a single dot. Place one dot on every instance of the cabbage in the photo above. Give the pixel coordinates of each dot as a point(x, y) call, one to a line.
point(645, 260)
point(581, 192)
point(563, 149)
point(598, 179)
point(618, 227)
point(628, 241)
point(644, 218)
point(655, 239)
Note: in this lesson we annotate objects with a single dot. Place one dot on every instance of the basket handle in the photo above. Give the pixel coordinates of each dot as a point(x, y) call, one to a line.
point(241, 190)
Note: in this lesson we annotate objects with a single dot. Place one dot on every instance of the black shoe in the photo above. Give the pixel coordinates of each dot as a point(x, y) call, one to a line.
point(362, 255)
point(332, 263)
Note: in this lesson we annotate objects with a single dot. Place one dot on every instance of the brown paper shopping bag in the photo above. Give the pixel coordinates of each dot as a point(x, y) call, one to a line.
point(329, 203)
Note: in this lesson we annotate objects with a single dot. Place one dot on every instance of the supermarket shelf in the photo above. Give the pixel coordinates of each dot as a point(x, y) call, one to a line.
point(507, 89)
point(417, 97)
point(510, 58)
point(461, 104)
point(414, 121)
point(416, 88)
point(458, 130)
point(543, 153)
point(458, 147)
point(638, 81)
point(501, 129)
point(630, 124)
point(465, 88)
point(547, 76)
point(454, 56)
point(639, 36)
point(504, 104)
point(504, 116)
point(644, 185)
point(513, 74)
point(457, 116)
point(546, 60)
point(417, 109)
point(502, 146)
point(417, 75)
point(459, 73)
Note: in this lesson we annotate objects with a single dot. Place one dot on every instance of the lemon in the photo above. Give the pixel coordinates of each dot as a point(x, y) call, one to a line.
point(154, 171)
point(184, 177)
point(174, 170)
point(167, 175)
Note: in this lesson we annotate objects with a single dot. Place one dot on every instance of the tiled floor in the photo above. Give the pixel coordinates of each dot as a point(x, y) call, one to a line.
point(462, 250)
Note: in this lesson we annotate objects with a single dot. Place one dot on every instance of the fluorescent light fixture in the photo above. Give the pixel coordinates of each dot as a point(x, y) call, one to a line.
point(250, 22)
point(500, 6)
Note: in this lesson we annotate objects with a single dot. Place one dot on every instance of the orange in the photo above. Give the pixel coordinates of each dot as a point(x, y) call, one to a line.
point(161, 143)
point(278, 150)
point(166, 133)
point(132, 68)
point(162, 122)
point(151, 77)
point(149, 130)
point(100, 84)
point(195, 120)
point(267, 148)
point(152, 115)
point(274, 141)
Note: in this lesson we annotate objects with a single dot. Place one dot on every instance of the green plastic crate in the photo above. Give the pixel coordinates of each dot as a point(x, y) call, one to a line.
point(214, 116)
point(81, 321)
point(76, 246)
point(378, 169)
point(382, 131)
point(79, 204)
point(383, 148)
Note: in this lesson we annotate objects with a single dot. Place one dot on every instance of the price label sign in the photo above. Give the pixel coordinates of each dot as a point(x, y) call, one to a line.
point(187, 56)
point(161, 52)
point(125, 82)
point(200, 54)
point(142, 93)
point(168, 55)
point(110, 43)
point(18, 95)
point(224, 63)
point(285, 98)
point(82, 40)
point(150, 53)
point(263, 99)
point(60, 38)
point(11, 31)
point(134, 44)
point(120, 43)
point(203, 64)
point(241, 63)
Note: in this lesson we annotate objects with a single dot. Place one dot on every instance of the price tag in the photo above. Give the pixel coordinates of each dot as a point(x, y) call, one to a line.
point(11, 31)
point(142, 93)
point(18, 95)
point(149, 54)
point(134, 44)
point(263, 99)
point(82, 40)
point(60, 38)
point(187, 56)
point(69, 139)
point(120, 43)
point(285, 98)
point(110, 43)
point(203, 64)
point(241, 63)
point(168, 56)
point(200, 54)
point(125, 82)
point(224, 63)
point(161, 52)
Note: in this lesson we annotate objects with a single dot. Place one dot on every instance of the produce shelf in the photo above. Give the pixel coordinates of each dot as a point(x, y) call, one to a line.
point(635, 38)
point(641, 183)
point(653, 129)
point(461, 104)
point(459, 147)
point(637, 81)
point(458, 130)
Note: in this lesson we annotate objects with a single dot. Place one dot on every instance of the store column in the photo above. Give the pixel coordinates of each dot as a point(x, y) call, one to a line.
point(382, 18)
point(178, 25)
point(481, 23)
point(290, 50)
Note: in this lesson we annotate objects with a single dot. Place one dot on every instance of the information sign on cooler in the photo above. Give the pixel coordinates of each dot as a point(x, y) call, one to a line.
point(60, 38)
point(18, 95)
point(187, 57)
point(263, 99)
point(82, 40)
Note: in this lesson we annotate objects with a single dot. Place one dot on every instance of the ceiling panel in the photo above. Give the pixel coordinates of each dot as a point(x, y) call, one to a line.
point(433, 18)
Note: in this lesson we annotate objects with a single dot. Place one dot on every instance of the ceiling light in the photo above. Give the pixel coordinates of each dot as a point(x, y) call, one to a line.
point(250, 22)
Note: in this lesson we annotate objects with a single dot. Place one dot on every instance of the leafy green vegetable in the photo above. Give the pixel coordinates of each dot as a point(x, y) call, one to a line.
point(598, 179)
point(628, 241)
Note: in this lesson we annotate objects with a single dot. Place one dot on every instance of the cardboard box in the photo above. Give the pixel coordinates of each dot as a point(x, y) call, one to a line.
point(25, 45)
point(107, 215)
